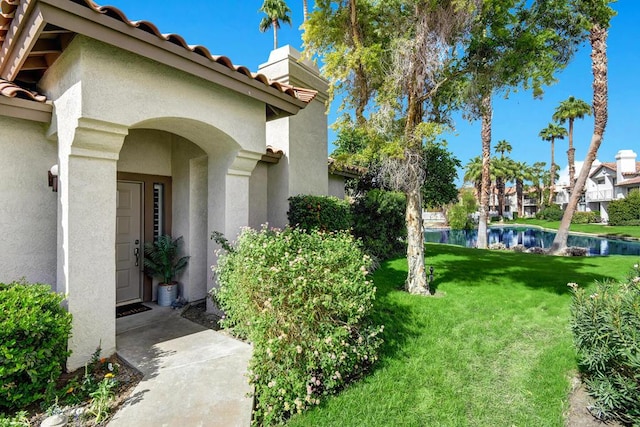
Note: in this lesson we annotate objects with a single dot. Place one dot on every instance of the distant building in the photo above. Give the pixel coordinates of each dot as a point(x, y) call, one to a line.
point(607, 181)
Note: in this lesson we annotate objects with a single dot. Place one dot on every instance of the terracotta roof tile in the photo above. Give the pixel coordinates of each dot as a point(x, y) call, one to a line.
point(631, 181)
point(12, 90)
point(8, 8)
point(350, 171)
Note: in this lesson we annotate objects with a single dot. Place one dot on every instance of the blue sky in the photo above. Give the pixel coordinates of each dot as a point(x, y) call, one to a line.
point(230, 28)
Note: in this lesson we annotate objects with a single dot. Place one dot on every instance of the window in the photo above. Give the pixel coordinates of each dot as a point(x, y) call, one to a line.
point(600, 181)
point(158, 210)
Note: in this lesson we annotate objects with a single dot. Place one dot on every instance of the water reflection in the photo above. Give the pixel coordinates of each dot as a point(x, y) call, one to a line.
point(532, 237)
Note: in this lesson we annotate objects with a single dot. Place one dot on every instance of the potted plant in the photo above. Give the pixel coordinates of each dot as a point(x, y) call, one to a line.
point(161, 260)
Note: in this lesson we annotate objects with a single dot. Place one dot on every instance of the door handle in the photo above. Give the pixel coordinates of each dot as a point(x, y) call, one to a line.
point(136, 252)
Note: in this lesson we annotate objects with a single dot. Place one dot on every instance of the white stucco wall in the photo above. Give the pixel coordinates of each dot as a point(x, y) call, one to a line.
point(146, 151)
point(28, 210)
point(258, 192)
point(336, 186)
point(101, 94)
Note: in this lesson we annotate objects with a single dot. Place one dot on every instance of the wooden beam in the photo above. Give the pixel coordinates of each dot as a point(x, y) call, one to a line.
point(20, 40)
point(34, 63)
point(44, 46)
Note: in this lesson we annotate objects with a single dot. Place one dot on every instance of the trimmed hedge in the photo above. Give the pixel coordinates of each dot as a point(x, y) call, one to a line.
point(585, 217)
point(378, 219)
point(34, 330)
point(325, 213)
point(625, 211)
point(550, 213)
point(304, 300)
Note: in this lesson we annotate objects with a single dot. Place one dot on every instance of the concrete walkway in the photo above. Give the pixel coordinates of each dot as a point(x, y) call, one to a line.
point(193, 376)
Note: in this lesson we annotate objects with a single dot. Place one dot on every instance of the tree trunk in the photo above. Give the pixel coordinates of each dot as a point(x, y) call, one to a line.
point(598, 39)
point(360, 76)
point(500, 184)
point(417, 278)
point(486, 171)
point(305, 10)
point(552, 178)
point(274, 24)
point(519, 194)
point(571, 158)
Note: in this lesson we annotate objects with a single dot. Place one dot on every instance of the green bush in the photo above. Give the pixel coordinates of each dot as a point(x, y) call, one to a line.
point(325, 213)
point(606, 327)
point(303, 300)
point(625, 211)
point(378, 219)
point(585, 217)
point(458, 218)
point(550, 213)
point(34, 330)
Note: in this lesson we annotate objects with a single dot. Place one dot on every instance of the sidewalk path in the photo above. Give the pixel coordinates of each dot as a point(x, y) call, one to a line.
point(193, 376)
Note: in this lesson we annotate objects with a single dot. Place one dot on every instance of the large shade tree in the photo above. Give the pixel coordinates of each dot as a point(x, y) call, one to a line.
point(276, 11)
point(596, 19)
point(568, 111)
point(391, 56)
point(552, 132)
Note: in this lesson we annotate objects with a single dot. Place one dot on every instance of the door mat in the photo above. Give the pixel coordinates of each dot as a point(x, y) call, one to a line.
point(126, 310)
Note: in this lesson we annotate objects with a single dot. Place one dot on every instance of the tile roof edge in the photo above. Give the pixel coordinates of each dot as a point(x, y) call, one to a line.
point(11, 90)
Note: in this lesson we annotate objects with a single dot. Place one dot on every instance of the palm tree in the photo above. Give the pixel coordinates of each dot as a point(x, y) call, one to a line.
point(569, 110)
point(551, 133)
point(537, 173)
point(305, 10)
point(503, 170)
point(599, 15)
point(277, 11)
point(521, 173)
point(502, 146)
point(473, 174)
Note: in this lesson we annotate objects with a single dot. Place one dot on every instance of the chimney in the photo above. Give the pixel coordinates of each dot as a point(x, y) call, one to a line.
point(625, 163)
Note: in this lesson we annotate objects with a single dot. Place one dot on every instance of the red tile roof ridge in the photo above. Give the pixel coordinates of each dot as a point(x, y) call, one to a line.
point(305, 95)
point(12, 90)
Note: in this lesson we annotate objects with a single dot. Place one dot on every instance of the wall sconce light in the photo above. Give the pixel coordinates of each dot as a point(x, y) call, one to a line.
point(53, 178)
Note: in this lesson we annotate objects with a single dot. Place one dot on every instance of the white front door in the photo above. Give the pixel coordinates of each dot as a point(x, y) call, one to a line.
point(129, 242)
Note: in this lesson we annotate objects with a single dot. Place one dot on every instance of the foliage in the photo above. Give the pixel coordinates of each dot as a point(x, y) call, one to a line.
point(459, 215)
point(625, 211)
point(161, 258)
point(441, 167)
point(303, 300)
point(34, 330)
point(585, 217)
point(276, 11)
point(378, 220)
point(20, 419)
point(101, 398)
point(550, 213)
point(605, 325)
point(324, 213)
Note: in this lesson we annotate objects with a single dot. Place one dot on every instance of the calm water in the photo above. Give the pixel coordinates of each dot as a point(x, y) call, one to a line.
point(530, 237)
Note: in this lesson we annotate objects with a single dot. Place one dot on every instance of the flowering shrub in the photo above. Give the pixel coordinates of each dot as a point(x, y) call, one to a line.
point(303, 300)
point(606, 326)
point(34, 329)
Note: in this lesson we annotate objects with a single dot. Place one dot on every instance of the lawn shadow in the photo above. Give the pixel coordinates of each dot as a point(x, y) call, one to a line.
point(391, 310)
point(471, 267)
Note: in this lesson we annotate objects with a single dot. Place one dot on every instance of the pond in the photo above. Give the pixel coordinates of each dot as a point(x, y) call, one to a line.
point(530, 237)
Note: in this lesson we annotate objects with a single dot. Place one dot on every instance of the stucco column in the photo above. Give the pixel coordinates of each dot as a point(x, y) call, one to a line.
point(237, 192)
point(302, 138)
point(87, 187)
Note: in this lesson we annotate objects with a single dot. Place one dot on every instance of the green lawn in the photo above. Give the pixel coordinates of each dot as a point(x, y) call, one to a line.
point(603, 230)
point(494, 350)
